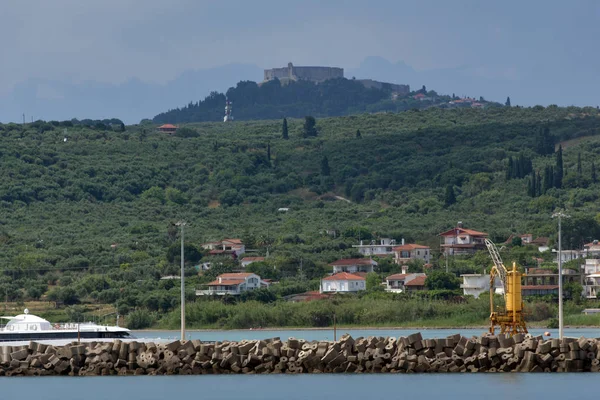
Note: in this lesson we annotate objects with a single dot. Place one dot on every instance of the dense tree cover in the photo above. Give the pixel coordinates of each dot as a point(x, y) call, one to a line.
point(90, 220)
point(295, 99)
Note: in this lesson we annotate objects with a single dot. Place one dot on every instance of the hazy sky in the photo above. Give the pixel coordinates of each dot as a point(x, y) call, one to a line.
point(155, 40)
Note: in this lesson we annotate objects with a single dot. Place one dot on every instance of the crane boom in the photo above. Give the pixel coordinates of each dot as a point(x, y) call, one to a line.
point(495, 255)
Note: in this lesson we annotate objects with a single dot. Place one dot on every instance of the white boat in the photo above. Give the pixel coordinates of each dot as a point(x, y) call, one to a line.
point(26, 327)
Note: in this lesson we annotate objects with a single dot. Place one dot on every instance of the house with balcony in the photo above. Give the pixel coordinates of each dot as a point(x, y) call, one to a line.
point(232, 284)
point(591, 280)
point(354, 265)
point(233, 247)
point(539, 281)
point(343, 282)
point(462, 241)
point(475, 284)
point(381, 247)
point(569, 255)
point(592, 249)
point(396, 283)
point(406, 252)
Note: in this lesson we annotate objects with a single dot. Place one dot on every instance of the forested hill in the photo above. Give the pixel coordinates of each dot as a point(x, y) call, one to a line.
point(296, 99)
point(92, 209)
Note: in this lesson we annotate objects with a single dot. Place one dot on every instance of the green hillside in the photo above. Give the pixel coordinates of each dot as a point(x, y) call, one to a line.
point(63, 204)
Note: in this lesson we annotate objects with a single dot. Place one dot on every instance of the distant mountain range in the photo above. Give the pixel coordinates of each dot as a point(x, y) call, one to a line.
point(135, 100)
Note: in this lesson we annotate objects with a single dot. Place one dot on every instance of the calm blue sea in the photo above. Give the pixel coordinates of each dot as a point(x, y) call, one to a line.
point(310, 387)
point(499, 386)
point(328, 334)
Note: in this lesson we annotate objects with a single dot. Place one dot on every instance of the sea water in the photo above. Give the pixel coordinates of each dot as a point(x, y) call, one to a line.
point(492, 386)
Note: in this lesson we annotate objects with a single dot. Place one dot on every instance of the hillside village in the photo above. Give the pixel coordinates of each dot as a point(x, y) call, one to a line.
point(349, 275)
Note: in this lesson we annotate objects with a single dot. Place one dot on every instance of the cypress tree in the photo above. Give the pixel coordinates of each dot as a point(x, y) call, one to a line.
point(450, 197)
point(593, 174)
point(507, 104)
point(358, 135)
point(509, 170)
point(325, 171)
point(538, 187)
point(558, 173)
point(284, 130)
point(269, 152)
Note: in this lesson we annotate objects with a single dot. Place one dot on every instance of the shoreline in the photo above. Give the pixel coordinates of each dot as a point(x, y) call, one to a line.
point(356, 328)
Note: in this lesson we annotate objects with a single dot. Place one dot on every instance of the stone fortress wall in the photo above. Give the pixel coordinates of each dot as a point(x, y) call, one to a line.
point(321, 74)
point(313, 74)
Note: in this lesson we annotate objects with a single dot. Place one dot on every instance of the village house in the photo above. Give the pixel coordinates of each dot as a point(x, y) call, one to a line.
point(569, 255)
point(249, 260)
point(379, 247)
point(354, 265)
point(475, 284)
point(407, 252)
point(461, 241)
point(526, 238)
point(396, 283)
point(343, 282)
point(167, 128)
point(233, 284)
point(538, 281)
point(225, 247)
point(591, 271)
point(416, 285)
point(592, 249)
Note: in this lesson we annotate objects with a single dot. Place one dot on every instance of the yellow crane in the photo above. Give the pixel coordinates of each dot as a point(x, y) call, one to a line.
point(510, 320)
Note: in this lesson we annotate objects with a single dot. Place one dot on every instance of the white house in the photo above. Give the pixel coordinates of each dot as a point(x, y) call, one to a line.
point(376, 247)
point(396, 283)
point(592, 249)
point(225, 246)
point(353, 265)
point(568, 255)
point(475, 284)
point(591, 282)
point(232, 284)
point(407, 252)
point(249, 260)
point(343, 282)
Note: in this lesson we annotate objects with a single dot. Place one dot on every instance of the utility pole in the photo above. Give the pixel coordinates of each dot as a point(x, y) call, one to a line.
point(182, 224)
point(560, 215)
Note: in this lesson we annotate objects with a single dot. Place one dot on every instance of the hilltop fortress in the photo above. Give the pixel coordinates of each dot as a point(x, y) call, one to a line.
point(321, 74)
point(313, 74)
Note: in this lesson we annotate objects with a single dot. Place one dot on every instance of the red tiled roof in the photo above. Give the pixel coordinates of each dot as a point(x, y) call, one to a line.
point(396, 277)
point(167, 126)
point(353, 261)
point(540, 240)
point(539, 287)
point(409, 247)
point(253, 259)
point(227, 282)
point(462, 246)
point(216, 251)
point(344, 276)
point(235, 275)
point(418, 281)
point(462, 231)
point(419, 96)
point(236, 241)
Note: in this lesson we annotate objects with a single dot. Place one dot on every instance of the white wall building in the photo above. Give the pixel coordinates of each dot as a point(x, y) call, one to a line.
point(343, 283)
point(353, 265)
point(407, 252)
point(376, 247)
point(232, 284)
point(475, 284)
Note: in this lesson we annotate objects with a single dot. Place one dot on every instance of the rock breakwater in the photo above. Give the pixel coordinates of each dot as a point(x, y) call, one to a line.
point(456, 353)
